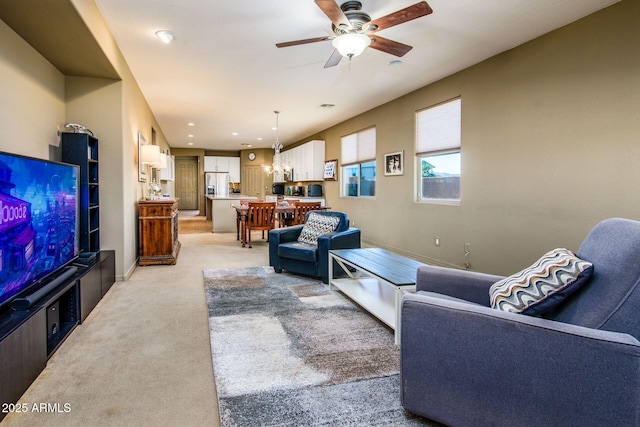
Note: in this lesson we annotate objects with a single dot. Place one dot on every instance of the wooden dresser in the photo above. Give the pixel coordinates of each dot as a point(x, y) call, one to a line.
point(158, 231)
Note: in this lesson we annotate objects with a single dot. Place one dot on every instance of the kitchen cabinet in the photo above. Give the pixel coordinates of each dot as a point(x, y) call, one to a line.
point(316, 167)
point(230, 165)
point(307, 161)
point(158, 231)
point(234, 169)
point(216, 164)
point(286, 163)
point(168, 173)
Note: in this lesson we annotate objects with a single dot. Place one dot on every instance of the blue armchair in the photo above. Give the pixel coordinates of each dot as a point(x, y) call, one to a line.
point(466, 364)
point(287, 253)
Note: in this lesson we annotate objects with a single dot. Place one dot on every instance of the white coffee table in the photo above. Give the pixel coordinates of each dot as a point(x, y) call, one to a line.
point(376, 281)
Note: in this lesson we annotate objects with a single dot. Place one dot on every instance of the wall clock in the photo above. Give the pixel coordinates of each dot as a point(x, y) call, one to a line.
point(252, 156)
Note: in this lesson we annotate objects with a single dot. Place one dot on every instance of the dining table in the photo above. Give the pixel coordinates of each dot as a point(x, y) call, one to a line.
point(242, 210)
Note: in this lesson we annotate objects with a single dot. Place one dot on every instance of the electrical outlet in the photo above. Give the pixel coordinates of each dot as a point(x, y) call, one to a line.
point(467, 254)
point(436, 241)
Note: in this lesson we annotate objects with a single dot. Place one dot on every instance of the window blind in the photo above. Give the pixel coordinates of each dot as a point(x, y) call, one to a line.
point(438, 127)
point(359, 146)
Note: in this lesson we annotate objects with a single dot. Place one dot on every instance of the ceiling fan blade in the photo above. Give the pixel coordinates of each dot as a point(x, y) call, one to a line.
point(389, 46)
point(335, 14)
point(334, 59)
point(399, 17)
point(305, 41)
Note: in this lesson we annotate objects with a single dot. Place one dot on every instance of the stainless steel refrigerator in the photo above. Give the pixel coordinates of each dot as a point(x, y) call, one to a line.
point(217, 183)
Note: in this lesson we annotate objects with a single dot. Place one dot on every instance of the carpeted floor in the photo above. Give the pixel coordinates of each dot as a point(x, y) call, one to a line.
point(288, 352)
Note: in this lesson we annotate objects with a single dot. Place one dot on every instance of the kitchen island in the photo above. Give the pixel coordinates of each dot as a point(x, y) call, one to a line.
point(222, 213)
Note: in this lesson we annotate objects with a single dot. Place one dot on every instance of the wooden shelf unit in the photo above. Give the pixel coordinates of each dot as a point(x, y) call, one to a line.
point(158, 231)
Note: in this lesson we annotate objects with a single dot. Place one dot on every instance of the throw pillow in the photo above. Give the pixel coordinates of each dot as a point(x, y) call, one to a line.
point(317, 225)
point(542, 286)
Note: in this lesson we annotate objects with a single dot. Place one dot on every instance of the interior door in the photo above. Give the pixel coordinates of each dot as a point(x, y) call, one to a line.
point(187, 182)
point(253, 181)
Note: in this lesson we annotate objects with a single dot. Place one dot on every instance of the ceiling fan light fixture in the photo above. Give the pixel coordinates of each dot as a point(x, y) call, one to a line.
point(165, 36)
point(352, 44)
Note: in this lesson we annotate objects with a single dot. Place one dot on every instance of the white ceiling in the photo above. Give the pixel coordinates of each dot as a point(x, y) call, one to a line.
point(224, 73)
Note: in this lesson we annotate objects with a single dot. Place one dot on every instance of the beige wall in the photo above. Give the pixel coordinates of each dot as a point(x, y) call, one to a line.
point(37, 100)
point(116, 113)
point(32, 101)
point(550, 146)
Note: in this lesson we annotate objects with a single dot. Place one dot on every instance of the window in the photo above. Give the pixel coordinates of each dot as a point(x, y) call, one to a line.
point(359, 164)
point(438, 152)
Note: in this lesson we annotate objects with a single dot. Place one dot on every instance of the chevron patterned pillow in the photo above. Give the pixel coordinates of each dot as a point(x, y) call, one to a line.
point(316, 226)
point(542, 286)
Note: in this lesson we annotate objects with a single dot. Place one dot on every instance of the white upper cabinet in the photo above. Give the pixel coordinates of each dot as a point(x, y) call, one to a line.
point(168, 173)
point(307, 161)
point(216, 164)
point(234, 169)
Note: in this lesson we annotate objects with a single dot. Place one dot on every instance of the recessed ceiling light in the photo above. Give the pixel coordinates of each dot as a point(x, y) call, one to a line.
point(191, 124)
point(327, 105)
point(235, 134)
point(165, 35)
point(190, 143)
point(190, 136)
point(244, 144)
point(259, 139)
point(395, 63)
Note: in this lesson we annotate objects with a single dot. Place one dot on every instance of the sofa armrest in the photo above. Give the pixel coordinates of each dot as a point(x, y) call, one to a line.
point(468, 285)
point(278, 236)
point(348, 239)
point(286, 234)
point(464, 364)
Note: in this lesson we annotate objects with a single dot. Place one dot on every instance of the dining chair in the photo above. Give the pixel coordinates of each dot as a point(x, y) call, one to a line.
point(302, 208)
point(260, 216)
point(239, 217)
point(285, 219)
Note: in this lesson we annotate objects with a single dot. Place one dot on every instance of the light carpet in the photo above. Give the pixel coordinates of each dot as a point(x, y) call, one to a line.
point(287, 351)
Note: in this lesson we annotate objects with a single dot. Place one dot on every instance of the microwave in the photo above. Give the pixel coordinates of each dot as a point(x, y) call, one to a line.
point(277, 189)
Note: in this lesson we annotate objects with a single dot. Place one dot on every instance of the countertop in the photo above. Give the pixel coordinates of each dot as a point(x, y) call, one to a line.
point(230, 197)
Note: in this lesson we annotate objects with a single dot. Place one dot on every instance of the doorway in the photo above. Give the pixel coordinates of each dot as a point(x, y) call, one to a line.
point(253, 181)
point(187, 183)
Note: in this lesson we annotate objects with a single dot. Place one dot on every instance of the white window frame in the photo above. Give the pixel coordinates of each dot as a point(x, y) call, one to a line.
point(357, 149)
point(438, 132)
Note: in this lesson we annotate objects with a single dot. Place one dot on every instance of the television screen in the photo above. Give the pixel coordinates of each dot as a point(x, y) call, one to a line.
point(38, 221)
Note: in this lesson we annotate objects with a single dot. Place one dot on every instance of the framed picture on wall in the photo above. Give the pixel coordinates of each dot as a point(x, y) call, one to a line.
point(331, 170)
point(142, 169)
point(394, 163)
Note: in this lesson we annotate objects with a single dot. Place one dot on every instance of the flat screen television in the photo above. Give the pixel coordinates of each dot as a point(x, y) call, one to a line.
point(39, 227)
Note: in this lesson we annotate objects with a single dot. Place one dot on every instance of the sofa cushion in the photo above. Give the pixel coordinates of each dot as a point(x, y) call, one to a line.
point(298, 250)
point(317, 225)
point(542, 286)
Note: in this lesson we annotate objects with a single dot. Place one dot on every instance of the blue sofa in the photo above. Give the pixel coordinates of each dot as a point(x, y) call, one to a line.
point(287, 253)
point(464, 363)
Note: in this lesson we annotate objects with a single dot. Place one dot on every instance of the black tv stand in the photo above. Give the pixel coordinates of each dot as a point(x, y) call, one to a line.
point(25, 303)
point(30, 335)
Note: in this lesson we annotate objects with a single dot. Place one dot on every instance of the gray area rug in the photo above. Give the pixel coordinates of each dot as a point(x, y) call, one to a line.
point(288, 352)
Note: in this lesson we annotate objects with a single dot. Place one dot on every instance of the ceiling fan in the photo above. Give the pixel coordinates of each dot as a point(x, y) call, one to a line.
point(354, 29)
